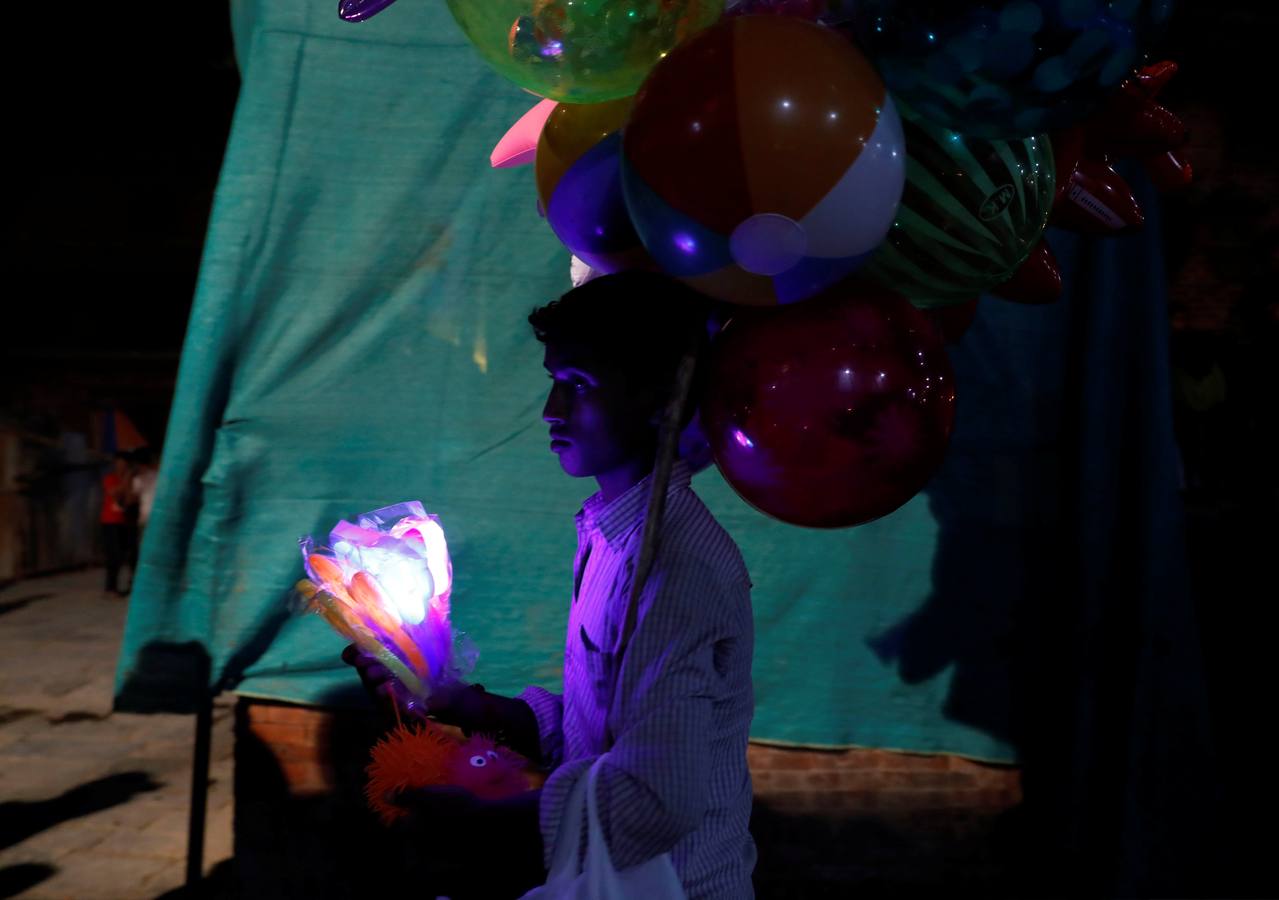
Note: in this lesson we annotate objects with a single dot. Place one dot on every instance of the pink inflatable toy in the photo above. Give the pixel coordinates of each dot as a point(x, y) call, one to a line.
point(518, 146)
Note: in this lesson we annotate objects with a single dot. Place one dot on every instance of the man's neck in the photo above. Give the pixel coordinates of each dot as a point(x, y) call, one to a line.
point(617, 482)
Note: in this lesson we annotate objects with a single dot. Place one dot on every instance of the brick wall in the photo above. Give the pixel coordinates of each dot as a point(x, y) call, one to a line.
point(828, 822)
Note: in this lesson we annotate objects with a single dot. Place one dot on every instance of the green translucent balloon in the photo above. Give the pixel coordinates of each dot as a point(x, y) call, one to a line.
point(580, 51)
point(972, 211)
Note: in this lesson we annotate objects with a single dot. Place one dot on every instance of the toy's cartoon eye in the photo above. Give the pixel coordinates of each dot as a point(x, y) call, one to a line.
point(493, 755)
point(479, 761)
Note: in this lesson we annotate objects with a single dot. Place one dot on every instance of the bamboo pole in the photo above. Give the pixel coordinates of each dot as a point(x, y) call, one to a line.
point(667, 444)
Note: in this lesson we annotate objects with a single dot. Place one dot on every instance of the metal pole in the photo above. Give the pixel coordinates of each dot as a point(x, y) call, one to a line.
point(199, 791)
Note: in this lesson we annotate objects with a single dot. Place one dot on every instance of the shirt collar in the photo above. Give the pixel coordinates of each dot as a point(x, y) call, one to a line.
point(615, 520)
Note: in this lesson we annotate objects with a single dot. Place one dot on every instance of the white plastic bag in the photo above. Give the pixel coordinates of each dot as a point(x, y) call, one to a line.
point(598, 880)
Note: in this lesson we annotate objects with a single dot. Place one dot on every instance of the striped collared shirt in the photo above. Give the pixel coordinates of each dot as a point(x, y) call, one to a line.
point(676, 717)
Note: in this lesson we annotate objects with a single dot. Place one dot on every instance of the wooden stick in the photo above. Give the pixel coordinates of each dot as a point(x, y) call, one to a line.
point(196, 812)
point(667, 444)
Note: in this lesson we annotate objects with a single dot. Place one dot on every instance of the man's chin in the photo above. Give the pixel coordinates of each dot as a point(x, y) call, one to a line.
point(569, 463)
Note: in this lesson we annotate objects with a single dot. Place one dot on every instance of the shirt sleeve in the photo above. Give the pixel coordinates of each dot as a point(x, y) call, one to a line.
point(548, 709)
point(653, 787)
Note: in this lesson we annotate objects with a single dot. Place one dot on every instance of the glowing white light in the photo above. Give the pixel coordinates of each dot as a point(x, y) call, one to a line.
point(407, 562)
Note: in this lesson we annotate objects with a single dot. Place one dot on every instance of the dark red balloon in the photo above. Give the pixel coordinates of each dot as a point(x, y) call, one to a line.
point(1036, 281)
point(830, 412)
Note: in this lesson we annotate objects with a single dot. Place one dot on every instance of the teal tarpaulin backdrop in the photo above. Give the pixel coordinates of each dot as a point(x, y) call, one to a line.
point(358, 338)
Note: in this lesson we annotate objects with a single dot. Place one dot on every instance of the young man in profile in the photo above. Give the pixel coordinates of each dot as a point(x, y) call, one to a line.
point(671, 705)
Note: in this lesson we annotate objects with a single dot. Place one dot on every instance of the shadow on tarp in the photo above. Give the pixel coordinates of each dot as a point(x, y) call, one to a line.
point(177, 677)
point(1059, 610)
point(166, 677)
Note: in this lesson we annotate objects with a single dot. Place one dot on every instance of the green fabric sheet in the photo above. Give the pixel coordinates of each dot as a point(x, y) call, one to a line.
point(358, 338)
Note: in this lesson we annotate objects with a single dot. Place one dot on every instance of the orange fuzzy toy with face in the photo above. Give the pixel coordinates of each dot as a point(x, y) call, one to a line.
point(424, 755)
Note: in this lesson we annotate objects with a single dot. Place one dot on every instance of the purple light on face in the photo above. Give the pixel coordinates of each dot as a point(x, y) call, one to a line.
point(686, 243)
point(553, 48)
point(742, 439)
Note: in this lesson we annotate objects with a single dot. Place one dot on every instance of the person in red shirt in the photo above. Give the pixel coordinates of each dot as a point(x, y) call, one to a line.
point(117, 494)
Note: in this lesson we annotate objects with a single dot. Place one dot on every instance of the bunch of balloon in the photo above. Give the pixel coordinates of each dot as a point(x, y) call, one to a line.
point(762, 162)
point(752, 149)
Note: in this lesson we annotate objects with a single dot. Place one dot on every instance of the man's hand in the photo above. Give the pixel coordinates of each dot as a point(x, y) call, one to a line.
point(390, 697)
point(452, 703)
point(468, 706)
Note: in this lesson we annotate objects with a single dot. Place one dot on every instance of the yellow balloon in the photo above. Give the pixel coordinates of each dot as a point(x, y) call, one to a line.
point(571, 130)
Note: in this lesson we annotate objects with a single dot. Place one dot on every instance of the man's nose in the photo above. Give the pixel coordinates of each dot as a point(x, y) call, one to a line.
point(555, 411)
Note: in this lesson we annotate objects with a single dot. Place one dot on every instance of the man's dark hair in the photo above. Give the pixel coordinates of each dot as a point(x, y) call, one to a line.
point(640, 323)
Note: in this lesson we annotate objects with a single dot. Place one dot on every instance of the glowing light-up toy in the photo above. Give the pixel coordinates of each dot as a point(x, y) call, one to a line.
point(384, 583)
point(425, 755)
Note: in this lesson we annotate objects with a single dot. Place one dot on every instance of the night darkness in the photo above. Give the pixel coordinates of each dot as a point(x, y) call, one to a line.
point(122, 124)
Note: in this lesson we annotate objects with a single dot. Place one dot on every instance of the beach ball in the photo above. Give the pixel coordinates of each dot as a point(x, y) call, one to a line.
point(763, 160)
point(1006, 68)
point(583, 51)
point(972, 212)
point(830, 412)
point(579, 184)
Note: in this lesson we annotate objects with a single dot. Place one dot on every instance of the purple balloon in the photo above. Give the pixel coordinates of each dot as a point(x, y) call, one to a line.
point(588, 213)
point(359, 10)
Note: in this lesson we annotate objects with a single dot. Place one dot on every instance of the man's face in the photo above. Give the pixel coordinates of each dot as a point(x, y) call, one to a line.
point(598, 424)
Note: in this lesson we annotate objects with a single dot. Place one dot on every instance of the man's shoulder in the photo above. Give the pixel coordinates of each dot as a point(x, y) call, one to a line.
point(691, 536)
